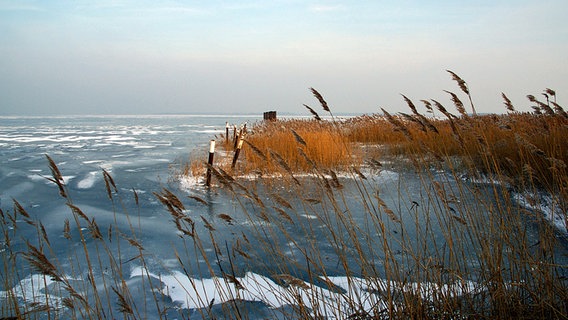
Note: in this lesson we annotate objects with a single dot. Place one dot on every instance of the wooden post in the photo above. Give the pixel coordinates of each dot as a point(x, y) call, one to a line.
point(235, 136)
point(227, 132)
point(210, 162)
point(237, 151)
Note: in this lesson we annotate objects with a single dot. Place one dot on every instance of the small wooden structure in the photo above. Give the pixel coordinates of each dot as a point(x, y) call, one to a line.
point(270, 115)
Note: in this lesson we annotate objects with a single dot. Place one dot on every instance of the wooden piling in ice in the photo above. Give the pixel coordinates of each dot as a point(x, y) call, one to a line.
point(210, 162)
point(237, 151)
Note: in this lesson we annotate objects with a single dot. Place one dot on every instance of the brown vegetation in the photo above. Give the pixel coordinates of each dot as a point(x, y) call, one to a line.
point(448, 251)
point(526, 149)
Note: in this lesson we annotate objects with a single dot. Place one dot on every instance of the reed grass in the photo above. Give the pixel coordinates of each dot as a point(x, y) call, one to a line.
point(330, 198)
point(509, 144)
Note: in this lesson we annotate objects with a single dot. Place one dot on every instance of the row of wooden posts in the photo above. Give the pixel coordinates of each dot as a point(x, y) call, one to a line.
point(238, 139)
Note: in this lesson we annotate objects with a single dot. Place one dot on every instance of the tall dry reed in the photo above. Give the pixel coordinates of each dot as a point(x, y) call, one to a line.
point(390, 204)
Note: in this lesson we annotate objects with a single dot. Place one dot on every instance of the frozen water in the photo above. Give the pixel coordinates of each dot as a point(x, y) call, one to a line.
point(138, 152)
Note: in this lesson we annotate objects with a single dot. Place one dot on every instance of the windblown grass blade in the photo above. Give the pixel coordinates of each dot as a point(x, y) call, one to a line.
point(256, 150)
point(136, 199)
point(198, 199)
point(109, 182)
point(67, 229)
point(20, 209)
point(94, 230)
point(559, 110)
point(283, 165)
point(320, 99)
point(428, 106)
point(550, 92)
point(283, 214)
point(75, 209)
point(281, 201)
point(57, 178)
point(359, 173)
point(41, 263)
point(172, 203)
point(44, 234)
point(436, 229)
point(123, 304)
point(463, 86)
point(298, 138)
point(54, 169)
point(207, 225)
point(461, 83)
point(443, 110)
point(507, 103)
point(292, 281)
point(457, 103)
point(135, 243)
point(410, 118)
point(315, 114)
point(226, 217)
point(387, 210)
point(397, 124)
point(410, 104)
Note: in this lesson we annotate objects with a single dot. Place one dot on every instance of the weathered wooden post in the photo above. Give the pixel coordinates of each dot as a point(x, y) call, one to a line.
point(227, 132)
point(240, 135)
point(235, 136)
point(210, 162)
point(237, 151)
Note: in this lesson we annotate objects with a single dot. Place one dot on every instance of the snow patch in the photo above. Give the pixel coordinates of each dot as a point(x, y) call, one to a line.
point(547, 205)
point(88, 181)
point(335, 301)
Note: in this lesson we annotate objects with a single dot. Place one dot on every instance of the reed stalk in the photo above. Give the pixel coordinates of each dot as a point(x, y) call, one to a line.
point(392, 203)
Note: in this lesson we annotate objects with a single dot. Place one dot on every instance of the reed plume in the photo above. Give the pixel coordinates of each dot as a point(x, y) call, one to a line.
point(438, 245)
point(283, 165)
point(56, 177)
point(256, 150)
point(507, 103)
point(428, 105)
point(410, 104)
point(41, 263)
point(397, 124)
point(123, 304)
point(457, 103)
point(320, 99)
point(559, 110)
point(298, 138)
point(315, 114)
point(109, 184)
point(20, 209)
point(463, 86)
point(541, 106)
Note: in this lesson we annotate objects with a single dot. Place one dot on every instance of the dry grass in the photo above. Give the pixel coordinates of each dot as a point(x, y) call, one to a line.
point(293, 141)
point(527, 149)
point(434, 247)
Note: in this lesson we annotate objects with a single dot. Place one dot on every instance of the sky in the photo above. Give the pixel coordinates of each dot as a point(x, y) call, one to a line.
point(220, 57)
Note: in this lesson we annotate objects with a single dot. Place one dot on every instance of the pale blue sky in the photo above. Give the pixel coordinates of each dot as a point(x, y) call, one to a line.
point(125, 57)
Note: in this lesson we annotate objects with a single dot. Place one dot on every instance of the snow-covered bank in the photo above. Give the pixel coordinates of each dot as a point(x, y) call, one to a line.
point(339, 298)
point(548, 206)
